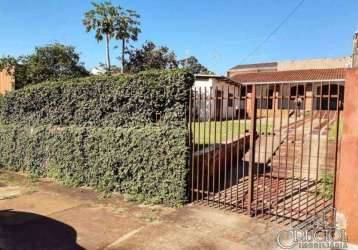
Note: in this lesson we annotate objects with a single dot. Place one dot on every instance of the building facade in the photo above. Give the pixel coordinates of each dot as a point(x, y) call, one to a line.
point(306, 64)
point(7, 81)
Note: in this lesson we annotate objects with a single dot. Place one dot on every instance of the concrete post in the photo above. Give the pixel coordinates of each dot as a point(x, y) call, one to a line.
point(347, 183)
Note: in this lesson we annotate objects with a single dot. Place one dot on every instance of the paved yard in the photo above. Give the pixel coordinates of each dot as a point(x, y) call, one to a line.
point(46, 215)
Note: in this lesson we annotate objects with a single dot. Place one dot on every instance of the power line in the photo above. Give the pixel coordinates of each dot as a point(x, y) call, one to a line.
point(275, 30)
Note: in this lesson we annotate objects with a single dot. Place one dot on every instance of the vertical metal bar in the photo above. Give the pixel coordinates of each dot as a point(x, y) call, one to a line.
point(326, 154)
point(273, 143)
point(199, 141)
point(258, 164)
point(287, 145)
point(203, 148)
point(265, 152)
point(232, 144)
point(310, 145)
point(252, 147)
point(238, 151)
point(191, 143)
point(220, 146)
point(214, 160)
point(209, 135)
point(318, 149)
point(302, 148)
point(339, 104)
point(205, 144)
point(244, 150)
point(279, 151)
point(226, 142)
point(294, 154)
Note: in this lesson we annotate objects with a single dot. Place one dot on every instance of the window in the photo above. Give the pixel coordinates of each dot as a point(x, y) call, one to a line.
point(230, 101)
point(264, 95)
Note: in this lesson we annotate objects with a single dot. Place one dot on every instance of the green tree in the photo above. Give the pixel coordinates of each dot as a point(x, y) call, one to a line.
point(49, 62)
point(192, 63)
point(54, 61)
point(150, 56)
point(126, 29)
point(8, 62)
point(102, 19)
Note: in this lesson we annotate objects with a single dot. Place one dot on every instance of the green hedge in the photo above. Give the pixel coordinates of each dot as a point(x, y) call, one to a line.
point(102, 101)
point(148, 163)
point(100, 132)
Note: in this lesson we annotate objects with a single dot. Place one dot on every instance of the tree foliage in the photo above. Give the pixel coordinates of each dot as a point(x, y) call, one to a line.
point(50, 62)
point(8, 62)
point(192, 64)
point(151, 56)
point(127, 29)
point(102, 20)
point(110, 21)
point(56, 61)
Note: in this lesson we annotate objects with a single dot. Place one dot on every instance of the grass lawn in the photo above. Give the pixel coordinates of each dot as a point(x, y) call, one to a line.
point(332, 133)
point(217, 132)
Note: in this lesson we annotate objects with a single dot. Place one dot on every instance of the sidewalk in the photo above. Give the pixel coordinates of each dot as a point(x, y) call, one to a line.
point(46, 215)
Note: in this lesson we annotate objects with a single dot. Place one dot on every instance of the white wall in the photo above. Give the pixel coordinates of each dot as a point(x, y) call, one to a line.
point(202, 84)
point(209, 107)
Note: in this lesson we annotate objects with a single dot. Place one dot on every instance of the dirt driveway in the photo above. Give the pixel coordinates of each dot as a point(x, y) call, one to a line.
point(44, 215)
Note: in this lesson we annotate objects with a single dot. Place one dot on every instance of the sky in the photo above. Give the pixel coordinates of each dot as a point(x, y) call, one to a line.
point(220, 33)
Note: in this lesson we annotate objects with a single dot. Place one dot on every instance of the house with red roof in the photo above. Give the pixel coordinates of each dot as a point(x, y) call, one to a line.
point(308, 85)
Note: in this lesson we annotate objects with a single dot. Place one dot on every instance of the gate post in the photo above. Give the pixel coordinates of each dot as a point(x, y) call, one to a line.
point(252, 146)
point(347, 184)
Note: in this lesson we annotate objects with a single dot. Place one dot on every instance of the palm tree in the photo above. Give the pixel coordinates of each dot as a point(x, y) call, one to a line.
point(126, 29)
point(102, 19)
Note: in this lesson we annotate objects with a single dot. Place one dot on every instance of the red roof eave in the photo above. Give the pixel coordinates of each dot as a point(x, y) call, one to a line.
point(311, 75)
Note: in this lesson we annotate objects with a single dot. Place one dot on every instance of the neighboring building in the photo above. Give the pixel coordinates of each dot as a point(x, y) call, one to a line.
point(213, 91)
point(224, 98)
point(7, 81)
point(318, 63)
point(289, 86)
point(253, 68)
point(297, 79)
point(98, 71)
point(305, 64)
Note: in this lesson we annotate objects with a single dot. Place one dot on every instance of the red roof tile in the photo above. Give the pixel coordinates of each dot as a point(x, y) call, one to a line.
point(291, 76)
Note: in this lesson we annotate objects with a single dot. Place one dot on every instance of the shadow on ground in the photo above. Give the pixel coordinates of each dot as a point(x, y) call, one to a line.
point(20, 230)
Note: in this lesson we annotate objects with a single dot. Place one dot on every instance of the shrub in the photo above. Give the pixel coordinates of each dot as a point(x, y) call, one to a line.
point(101, 132)
point(326, 186)
point(102, 101)
point(148, 163)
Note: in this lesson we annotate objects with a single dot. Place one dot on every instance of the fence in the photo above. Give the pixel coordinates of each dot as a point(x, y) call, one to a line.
point(266, 150)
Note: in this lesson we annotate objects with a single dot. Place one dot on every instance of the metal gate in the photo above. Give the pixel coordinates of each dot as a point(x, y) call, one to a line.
point(266, 150)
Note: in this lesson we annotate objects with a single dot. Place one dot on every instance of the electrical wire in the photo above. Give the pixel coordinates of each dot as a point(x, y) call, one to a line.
point(274, 31)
